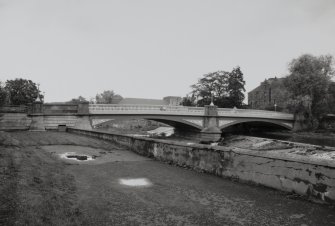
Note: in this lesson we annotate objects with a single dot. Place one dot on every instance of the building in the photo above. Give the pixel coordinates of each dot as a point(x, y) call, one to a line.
point(169, 100)
point(269, 95)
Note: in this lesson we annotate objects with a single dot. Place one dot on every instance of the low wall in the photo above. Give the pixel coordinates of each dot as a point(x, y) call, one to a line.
point(315, 179)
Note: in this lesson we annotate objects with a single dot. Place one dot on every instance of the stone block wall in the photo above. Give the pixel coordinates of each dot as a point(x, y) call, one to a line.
point(14, 121)
point(304, 176)
point(52, 122)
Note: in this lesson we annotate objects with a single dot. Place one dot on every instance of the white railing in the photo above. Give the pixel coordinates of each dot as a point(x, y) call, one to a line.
point(182, 110)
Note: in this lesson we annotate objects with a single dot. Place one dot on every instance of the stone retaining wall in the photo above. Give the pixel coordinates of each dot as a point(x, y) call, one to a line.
point(14, 121)
point(300, 174)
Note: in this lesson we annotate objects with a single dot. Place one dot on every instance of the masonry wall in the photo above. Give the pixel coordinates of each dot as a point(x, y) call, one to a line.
point(14, 121)
point(315, 179)
point(21, 121)
point(52, 122)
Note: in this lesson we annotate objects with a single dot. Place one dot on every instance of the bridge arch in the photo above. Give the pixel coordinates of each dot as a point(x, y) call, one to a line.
point(233, 122)
point(172, 121)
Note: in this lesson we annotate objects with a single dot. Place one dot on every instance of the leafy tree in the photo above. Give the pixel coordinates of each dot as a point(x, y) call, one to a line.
point(107, 97)
point(226, 87)
point(77, 100)
point(3, 95)
point(308, 83)
point(211, 84)
point(331, 98)
point(188, 101)
point(22, 91)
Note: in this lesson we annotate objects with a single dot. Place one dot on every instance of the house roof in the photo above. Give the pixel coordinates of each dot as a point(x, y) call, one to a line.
point(142, 101)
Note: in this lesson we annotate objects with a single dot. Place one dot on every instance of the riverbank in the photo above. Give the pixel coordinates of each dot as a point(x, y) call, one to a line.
point(37, 187)
point(315, 138)
point(286, 169)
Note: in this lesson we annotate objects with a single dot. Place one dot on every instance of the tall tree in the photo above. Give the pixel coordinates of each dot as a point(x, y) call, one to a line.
point(308, 83)
point(236, 88)
point(107, 97)
point(22, 91)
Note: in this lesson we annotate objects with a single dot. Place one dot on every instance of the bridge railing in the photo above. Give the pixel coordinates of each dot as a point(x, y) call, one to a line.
point(144, 109)
point(13, 109)
point(231, 112)
point(183, 110)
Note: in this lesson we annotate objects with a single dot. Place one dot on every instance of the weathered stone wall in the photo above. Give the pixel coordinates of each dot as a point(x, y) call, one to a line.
point(304, 176)
point(21, 121)
point(14, 121)
point(52, 122)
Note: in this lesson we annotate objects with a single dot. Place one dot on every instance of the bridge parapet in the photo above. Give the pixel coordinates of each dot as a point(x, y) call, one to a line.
point(231, 112)
point(13, 109)
point(144, 109)
point(101, 109)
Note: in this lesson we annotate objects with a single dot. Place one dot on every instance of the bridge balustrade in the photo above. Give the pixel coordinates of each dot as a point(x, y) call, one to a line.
point(231, 112)
point(144, 109)
point(182, 110)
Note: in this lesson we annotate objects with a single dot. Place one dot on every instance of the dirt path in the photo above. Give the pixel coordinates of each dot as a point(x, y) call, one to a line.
point(37, 187)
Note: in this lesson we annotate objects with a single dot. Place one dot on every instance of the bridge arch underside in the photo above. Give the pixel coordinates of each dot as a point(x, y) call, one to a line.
point(247, 125)
point(178, 123)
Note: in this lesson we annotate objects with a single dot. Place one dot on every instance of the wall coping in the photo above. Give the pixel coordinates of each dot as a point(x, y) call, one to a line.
point(263, 154)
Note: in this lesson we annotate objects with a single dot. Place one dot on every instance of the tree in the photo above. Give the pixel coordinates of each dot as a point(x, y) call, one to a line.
point(236, 88)
point(77, 100)
point(215, 84)
point(226, 88)
point(107, 97)
point(331, 98)
point(22, 91)
point(308, 84)
point(3, 95)
point(188, 101)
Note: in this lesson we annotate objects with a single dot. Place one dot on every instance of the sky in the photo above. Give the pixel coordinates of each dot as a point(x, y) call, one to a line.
point(155, 48)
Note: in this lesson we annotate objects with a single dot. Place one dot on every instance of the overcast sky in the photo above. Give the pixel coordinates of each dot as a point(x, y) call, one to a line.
point(153, 48)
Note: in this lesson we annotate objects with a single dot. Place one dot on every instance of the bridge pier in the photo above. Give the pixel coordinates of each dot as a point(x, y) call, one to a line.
point(211, 131)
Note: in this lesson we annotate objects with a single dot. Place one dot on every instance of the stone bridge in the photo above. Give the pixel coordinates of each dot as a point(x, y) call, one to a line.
point(209, 121)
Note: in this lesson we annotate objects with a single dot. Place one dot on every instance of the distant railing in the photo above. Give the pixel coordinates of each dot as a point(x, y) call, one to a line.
point(183, 110)
point(13, 109)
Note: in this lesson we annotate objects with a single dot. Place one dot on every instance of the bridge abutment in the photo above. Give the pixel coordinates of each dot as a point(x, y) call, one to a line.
point(83, 122)
point(83, 118)
point(37, 117)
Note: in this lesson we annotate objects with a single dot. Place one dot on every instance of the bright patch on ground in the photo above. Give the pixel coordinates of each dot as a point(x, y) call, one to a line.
point(135, 182)
point(76, 157)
